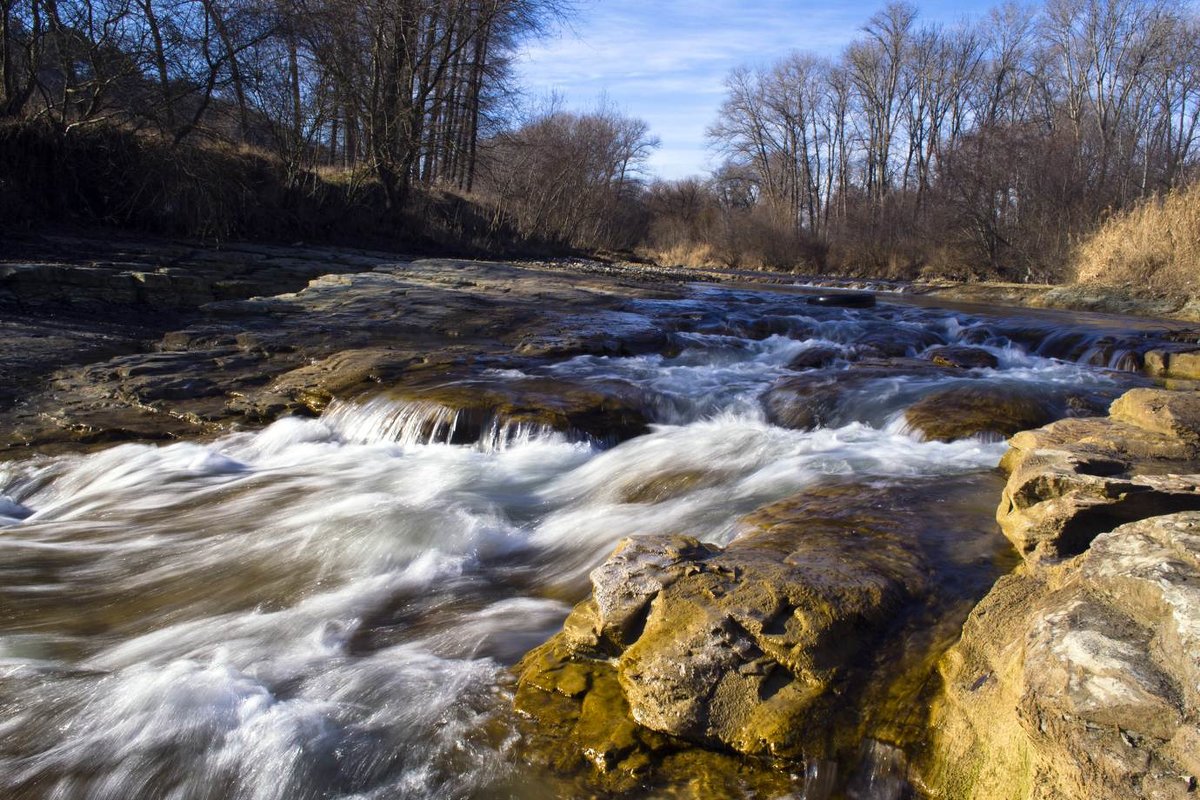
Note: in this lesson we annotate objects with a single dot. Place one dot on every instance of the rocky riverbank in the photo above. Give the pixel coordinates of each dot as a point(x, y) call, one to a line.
point(165, 341)
point(1075, 676)
point(1078, 674)
point(844, 625)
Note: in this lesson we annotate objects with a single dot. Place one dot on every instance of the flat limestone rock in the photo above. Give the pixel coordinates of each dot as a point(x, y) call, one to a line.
point(1174, 414)
point(1182, 364)
point(248, 333)
point(1076, 478)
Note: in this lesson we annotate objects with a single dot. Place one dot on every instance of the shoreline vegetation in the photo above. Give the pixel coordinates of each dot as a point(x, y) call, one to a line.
point(1050, 144)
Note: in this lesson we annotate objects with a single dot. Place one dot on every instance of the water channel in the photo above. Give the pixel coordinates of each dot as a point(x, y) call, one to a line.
point(330, 607)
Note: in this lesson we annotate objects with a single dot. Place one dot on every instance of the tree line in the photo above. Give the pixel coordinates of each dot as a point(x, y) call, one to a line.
point(405, 86)
point(986, 147)
point(381, 97)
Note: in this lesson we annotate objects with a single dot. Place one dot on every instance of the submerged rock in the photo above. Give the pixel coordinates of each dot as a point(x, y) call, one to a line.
point(816, 358)
point(888, 340)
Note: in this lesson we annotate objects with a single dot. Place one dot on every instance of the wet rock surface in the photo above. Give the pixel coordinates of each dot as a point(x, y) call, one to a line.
point(964, 410)
point(822, 602)
point(962, 357)
point(832, 396)
point(810, 639)
point(215, 357)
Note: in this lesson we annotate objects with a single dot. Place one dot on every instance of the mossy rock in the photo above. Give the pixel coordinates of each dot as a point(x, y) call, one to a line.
point(590, 742)
point(804, 636)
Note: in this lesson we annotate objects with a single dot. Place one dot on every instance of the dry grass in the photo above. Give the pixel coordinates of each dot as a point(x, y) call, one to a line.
point(1154, 246)
point(682, 254)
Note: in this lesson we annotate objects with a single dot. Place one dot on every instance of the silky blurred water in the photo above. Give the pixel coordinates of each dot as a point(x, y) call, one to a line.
point(328, 608)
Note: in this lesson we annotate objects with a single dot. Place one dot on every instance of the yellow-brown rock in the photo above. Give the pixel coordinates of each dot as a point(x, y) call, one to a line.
point(764, 647)
point(1076, 478)
point(1079, 680)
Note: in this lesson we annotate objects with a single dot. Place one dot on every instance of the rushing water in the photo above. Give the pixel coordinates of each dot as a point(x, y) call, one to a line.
point(330, 607)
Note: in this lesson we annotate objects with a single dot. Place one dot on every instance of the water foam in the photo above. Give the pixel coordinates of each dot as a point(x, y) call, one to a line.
point(328, 607)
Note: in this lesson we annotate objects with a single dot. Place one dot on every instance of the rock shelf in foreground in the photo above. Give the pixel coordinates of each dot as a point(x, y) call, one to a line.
point(1080, 676)
point(1076, 676)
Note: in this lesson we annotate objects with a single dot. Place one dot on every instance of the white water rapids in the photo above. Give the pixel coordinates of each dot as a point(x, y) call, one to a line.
point(328, 608)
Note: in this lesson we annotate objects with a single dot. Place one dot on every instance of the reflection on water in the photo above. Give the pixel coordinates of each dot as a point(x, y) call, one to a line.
point(328, 608)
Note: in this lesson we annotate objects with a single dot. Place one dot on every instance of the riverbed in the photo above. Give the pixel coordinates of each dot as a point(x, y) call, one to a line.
point(331, 605)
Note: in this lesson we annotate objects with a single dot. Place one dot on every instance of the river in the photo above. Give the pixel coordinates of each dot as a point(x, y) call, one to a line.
point(330, 607)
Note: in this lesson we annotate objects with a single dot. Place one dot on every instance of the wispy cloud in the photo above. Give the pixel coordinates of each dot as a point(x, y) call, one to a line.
point(666, 61)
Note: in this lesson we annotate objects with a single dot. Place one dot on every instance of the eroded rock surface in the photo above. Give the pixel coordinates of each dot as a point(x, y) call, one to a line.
point(767, 646)
point(1079, 676)
point(1080, 679)
point(1076, 478)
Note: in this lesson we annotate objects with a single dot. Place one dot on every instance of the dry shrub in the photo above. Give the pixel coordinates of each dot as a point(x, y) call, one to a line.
point(114, 176)
point(1153, 246)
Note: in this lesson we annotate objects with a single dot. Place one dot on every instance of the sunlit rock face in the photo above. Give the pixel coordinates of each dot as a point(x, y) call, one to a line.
point(763, 646)
point(1076, 478)
point(1081, 679)
point(1078, 675)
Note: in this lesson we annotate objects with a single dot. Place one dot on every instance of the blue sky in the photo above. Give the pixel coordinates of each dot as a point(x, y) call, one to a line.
point(666, 60)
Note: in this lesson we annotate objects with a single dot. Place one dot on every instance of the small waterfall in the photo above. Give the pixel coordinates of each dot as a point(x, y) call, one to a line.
point(421, 422)
point(503, 435)
point(383, 421)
